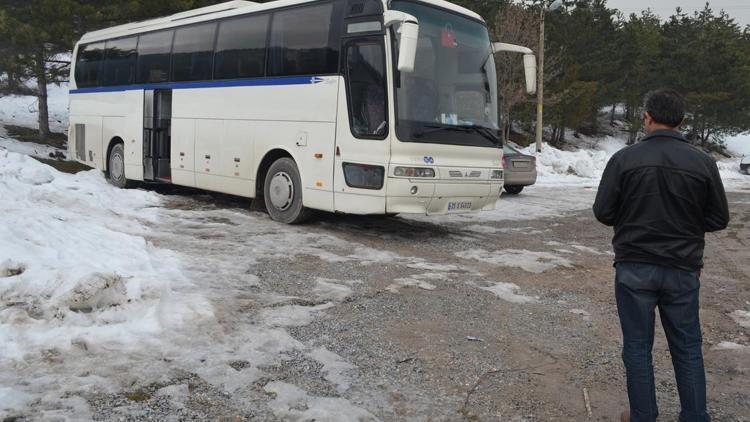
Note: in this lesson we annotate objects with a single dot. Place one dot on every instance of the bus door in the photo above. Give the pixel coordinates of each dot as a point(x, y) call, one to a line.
point(362, 147)
point(157, 134)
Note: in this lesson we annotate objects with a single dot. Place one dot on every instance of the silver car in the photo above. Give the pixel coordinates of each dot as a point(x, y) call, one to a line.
point(520, 170)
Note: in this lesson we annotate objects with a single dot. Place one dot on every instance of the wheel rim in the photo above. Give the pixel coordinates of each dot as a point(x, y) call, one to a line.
point(281, 191)
point(116, 166)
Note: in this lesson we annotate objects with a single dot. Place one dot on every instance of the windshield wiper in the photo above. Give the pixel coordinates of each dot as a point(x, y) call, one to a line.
point(483, 131)
point(487, 133)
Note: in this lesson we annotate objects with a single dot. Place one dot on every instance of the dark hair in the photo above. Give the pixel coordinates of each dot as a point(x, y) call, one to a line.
point(666, 106)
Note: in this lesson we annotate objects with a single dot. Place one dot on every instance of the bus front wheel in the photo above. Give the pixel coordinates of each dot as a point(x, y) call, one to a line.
point(282, 192)
point(116, 166)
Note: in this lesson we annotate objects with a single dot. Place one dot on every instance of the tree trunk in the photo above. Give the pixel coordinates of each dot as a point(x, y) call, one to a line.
point(632, 136)
point(41, 82)
point(612, 115)
point(13, 83)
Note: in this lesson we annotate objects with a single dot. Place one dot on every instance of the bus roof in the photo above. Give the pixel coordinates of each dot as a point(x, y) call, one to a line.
point(230, 8)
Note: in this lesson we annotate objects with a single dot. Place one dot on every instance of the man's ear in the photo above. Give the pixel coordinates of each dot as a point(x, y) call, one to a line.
point(647, 119)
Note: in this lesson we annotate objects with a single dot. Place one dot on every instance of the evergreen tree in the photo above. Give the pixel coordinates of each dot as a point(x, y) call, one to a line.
point(707, 58)
point(37, 35)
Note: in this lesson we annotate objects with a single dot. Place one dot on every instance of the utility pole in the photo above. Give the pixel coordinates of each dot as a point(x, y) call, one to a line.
point(540, 73)
point(540, 83)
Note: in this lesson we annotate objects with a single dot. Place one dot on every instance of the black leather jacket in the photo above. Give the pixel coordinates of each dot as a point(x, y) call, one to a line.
point(662, 195)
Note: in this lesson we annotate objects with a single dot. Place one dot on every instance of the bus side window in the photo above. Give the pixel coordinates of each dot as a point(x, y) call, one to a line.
point(365, 65)
point(193, 53)
point(241, 48)
point(119, 61)
point(89, 65)
point(300, 42)
point(154, 56)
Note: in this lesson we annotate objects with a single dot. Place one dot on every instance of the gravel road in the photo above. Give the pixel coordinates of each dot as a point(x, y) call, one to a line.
point(507, 316)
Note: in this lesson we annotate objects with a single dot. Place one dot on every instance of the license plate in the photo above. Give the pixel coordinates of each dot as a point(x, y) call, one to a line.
point(521, 164)
point(459, 206)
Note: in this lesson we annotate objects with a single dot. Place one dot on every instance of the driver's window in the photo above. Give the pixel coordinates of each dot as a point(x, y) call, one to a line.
point(365, 63)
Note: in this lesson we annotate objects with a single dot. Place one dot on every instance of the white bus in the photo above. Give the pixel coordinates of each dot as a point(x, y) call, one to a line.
point(352, 106)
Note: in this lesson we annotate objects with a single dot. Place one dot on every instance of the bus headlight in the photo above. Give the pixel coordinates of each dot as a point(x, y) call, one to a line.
point(413, 172)
point(497, 174)
point(364, 176)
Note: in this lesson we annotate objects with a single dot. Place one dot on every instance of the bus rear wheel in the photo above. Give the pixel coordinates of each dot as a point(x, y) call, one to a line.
point(116, 167)
point(282, 192)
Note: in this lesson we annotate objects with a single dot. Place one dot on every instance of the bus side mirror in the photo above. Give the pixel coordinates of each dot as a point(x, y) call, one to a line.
point(409, 33)
point(529, 68)
point(529, 62)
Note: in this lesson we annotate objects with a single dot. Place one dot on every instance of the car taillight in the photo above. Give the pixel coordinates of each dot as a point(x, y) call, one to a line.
point(505, 161)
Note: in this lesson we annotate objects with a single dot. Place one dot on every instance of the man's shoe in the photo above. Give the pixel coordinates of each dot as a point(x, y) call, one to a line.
point(625, 416)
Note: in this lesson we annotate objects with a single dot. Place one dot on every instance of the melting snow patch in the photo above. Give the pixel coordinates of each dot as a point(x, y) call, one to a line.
point(530, 261)
point(293, 403)
point(176, 394)
point(588, 250)
point(728, 345)
point(508, 292)
point(327, 289)
point(409, 282)
point(741, 317)
point(428, 266)
point(334, 368)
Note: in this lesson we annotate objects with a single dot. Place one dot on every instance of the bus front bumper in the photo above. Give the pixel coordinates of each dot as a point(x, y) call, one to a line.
point(414, 196)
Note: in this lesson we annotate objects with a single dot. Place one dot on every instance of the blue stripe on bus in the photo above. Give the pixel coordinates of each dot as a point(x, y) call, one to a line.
point(294, 80)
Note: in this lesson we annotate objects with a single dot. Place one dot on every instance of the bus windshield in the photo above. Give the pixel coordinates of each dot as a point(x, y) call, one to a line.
point(451, 97)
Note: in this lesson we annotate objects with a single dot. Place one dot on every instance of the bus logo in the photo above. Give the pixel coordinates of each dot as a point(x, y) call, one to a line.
point(429, 160)
point(316, 80)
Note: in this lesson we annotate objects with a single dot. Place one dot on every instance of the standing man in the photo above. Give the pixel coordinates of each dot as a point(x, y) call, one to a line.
point(661, 195)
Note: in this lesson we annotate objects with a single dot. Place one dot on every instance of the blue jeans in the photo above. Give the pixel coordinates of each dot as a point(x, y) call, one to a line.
point(639, 288)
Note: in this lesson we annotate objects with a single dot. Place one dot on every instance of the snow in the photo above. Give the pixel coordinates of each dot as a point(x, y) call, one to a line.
point(415, 281)
point(91, 284)
point(529, 261)
point(741, 317)
point(91, 281)
point(292, 315)
point(293, 403)
point(729, 345)
point(582, 166)
point(97, 275)
point(739, 144)
point(27, 148)
point(22, 110)
point(508, 292)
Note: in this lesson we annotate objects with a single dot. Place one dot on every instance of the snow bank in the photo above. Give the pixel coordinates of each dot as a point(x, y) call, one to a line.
point(739, 144)
point(582, 166)
point(77, 271)
point(585, 166)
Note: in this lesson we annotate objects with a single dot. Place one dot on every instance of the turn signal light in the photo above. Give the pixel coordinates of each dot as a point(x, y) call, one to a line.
point(413, 172)
point(364, 176)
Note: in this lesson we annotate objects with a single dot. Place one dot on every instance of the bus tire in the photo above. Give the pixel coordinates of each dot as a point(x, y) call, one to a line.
point(116, 166)
point(513, 190)
point(282, 192)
